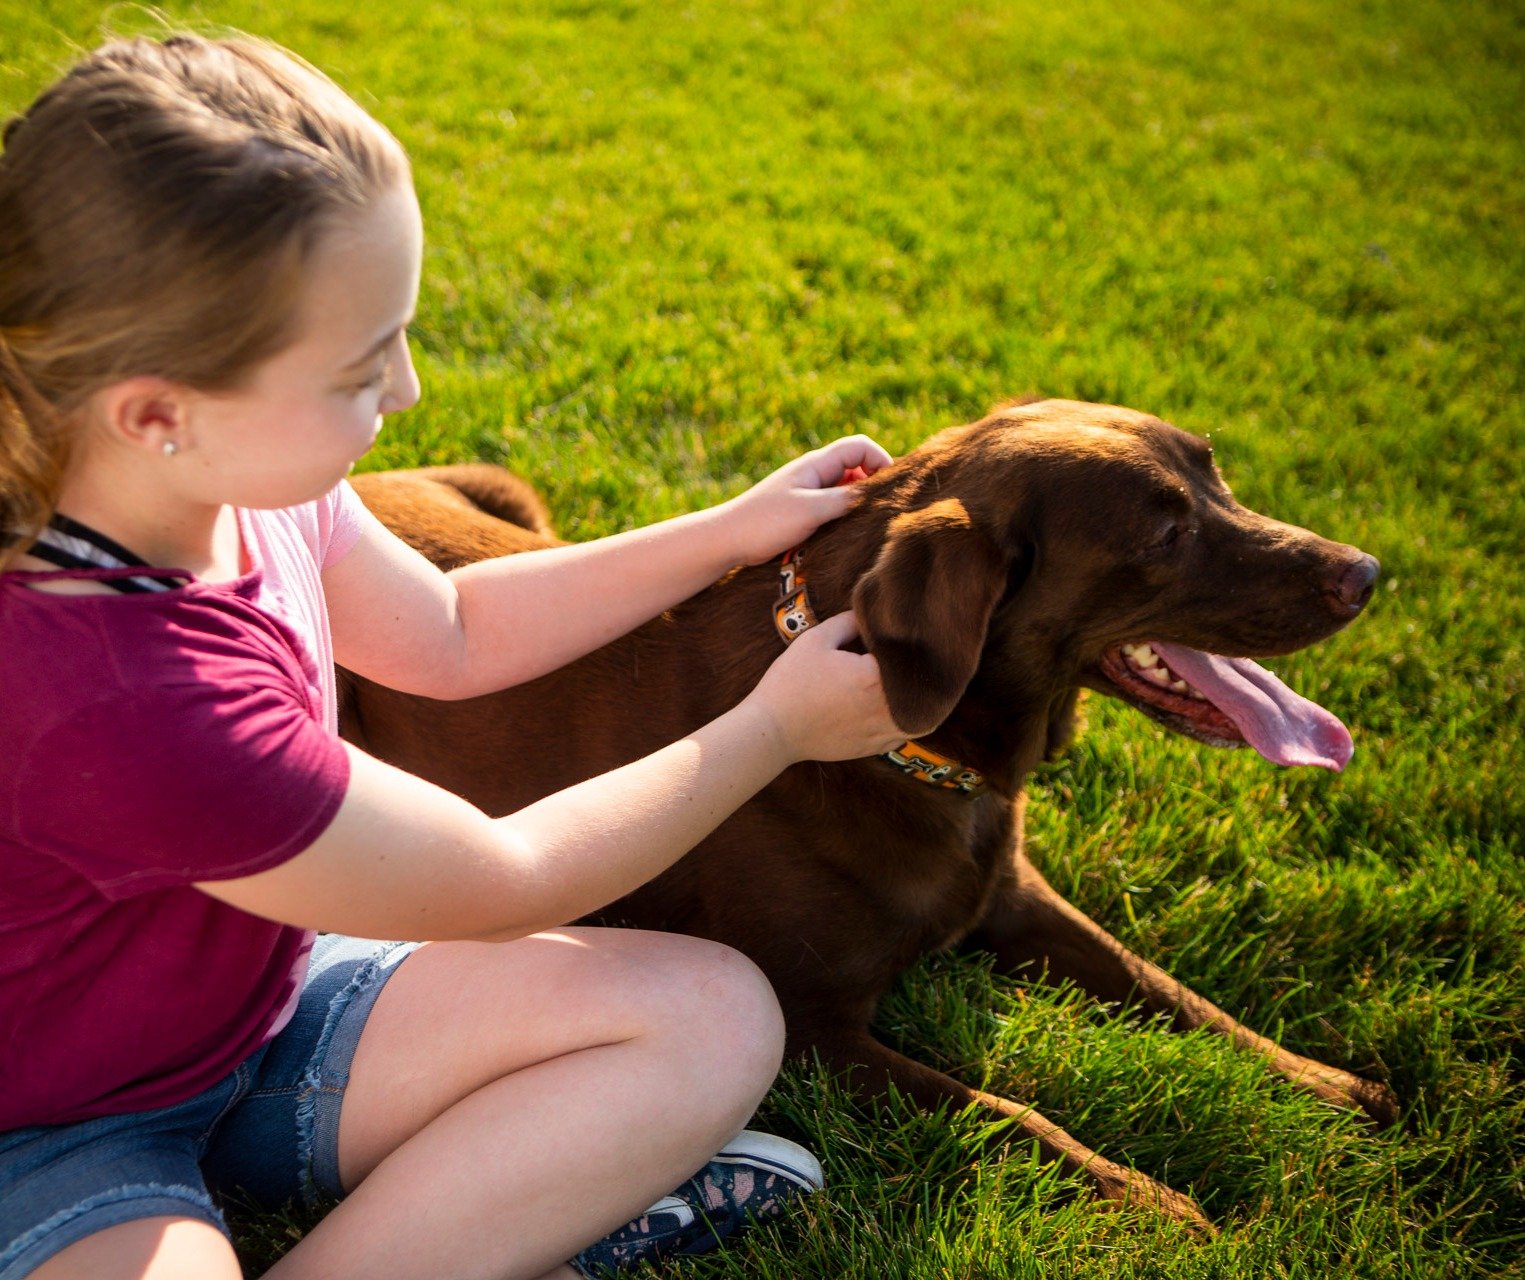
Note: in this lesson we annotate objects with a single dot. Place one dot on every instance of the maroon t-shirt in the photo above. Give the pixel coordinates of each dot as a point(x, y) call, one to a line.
point(148, 742)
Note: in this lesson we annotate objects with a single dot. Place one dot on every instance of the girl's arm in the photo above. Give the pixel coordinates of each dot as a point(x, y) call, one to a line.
point(398, 621)
point(406, 859)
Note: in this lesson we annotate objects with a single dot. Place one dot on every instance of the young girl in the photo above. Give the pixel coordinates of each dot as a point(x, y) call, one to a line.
point(209, 257)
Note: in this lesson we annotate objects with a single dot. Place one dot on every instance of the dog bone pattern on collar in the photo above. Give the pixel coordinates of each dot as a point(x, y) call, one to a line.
point(793, 616)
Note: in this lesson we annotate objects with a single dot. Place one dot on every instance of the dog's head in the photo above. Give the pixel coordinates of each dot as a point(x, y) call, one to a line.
point(1059, 544)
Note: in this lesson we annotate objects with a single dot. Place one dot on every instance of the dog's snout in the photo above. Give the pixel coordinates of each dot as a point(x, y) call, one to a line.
point(1350, 586)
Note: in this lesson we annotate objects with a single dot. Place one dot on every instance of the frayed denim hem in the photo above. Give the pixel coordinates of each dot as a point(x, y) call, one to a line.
point(322, 1089)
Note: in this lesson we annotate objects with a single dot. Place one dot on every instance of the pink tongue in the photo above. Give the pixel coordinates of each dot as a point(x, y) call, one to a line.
point(1283, 726)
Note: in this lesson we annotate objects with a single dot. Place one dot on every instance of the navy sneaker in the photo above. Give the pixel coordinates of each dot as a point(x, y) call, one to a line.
point(750, 1179)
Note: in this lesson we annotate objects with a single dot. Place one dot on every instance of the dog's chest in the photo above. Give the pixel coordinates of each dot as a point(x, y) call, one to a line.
point(932, 882)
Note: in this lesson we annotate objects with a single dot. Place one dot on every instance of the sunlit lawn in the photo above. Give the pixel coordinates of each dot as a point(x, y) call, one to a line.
point(671, 246)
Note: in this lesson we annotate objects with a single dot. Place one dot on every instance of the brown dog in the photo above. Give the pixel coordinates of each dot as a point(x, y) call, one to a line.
point(994, 572)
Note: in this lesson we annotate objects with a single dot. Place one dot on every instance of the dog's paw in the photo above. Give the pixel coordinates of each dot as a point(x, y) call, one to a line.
point(1342, 1089)
point(1122, 1189)
point(1378, 1101)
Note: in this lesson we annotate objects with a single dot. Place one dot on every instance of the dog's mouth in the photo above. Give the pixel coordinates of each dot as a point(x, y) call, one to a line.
point(1226, 702)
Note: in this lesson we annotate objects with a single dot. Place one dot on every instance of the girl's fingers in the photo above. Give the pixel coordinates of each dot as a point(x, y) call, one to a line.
point(828, 504)
point(835, 631)
point(831, 462)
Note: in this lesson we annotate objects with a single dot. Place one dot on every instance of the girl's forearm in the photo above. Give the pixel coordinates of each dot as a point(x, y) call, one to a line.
point(573, 599)
point(576, 598)
point(595, 842)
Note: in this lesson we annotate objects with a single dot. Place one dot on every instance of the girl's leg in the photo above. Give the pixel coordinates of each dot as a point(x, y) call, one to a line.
point(511, 1102)
point(146, 1249)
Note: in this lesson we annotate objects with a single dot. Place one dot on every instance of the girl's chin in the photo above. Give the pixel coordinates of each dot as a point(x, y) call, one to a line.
point(317, 489)
point(369, 445)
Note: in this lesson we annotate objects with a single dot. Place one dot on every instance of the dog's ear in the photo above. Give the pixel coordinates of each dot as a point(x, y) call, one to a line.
point(923, 609)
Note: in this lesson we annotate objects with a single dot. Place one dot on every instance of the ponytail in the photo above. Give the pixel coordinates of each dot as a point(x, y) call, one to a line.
point(33, 457)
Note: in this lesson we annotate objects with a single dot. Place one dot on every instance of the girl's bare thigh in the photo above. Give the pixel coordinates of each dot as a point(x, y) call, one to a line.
point(459, 1015)
point(146, 1249)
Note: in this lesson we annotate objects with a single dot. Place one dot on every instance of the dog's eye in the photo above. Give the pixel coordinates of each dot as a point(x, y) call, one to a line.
point(1171, 538)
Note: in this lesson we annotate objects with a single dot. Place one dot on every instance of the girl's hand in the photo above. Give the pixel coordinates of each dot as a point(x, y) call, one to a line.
point(826, 703)
point(786, 508)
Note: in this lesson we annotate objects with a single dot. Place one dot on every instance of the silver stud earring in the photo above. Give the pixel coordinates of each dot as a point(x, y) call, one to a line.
point(170, 448)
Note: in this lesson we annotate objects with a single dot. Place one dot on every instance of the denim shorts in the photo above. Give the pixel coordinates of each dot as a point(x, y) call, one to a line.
point(269, 1131)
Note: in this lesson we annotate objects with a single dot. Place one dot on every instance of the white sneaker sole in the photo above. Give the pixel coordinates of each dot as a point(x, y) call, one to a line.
point(776, 1155)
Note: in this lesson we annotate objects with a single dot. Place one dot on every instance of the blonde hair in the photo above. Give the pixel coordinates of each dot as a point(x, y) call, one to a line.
point(157, 206)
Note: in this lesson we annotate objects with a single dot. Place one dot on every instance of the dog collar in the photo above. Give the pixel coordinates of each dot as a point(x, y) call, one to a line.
point(793, 616)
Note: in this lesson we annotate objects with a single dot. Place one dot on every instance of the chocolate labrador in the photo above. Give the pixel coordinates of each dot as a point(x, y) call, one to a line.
point(995, 571)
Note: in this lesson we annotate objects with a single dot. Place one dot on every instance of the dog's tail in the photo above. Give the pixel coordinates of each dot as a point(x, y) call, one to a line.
point(499, 493)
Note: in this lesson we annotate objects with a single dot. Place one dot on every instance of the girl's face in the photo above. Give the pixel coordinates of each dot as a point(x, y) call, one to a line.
point(295, 429)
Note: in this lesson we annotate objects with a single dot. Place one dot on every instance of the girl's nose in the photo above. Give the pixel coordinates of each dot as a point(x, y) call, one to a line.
point(403, 388)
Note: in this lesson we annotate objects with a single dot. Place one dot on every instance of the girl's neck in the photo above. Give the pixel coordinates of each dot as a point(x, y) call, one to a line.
point(203, 540)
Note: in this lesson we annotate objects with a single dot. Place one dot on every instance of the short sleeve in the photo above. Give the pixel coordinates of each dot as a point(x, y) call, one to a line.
point(341, 516)
point(151, 788)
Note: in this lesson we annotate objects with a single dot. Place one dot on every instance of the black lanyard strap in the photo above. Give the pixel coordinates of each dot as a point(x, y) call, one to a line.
point(72, 545)
point(106, 547)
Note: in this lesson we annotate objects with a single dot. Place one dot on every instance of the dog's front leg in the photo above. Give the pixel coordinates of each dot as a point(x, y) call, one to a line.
point(1028, 925)
point(871, 1066)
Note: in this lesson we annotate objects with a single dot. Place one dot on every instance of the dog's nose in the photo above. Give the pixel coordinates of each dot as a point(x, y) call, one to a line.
point(1350, 587)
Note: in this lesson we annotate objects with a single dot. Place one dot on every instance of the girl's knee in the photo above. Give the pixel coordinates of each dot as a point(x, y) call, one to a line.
point(754, 1005)
point(711, 1003)
point(723, 1007)
point(735, 1036)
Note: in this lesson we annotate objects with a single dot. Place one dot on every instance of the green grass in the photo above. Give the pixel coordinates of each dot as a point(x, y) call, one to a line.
point(671, 246)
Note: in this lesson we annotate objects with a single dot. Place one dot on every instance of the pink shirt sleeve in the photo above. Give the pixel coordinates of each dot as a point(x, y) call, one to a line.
point(340, 513)
point(153, 787)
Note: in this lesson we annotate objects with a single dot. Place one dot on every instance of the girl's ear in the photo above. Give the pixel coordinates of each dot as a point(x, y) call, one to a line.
point(144, 411)
point(924, 607)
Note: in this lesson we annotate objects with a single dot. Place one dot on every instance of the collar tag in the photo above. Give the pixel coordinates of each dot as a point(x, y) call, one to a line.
point(926, 765)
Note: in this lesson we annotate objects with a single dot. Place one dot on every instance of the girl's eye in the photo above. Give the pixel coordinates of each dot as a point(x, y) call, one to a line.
point(377, 380)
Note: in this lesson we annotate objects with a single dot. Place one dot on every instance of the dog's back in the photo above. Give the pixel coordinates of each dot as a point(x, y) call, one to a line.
point(460, 514)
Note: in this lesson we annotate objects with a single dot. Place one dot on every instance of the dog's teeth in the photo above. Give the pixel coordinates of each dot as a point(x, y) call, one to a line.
point(1180, 686)
point(1158, 674)
point(1129, 650)
point(1145, 656)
